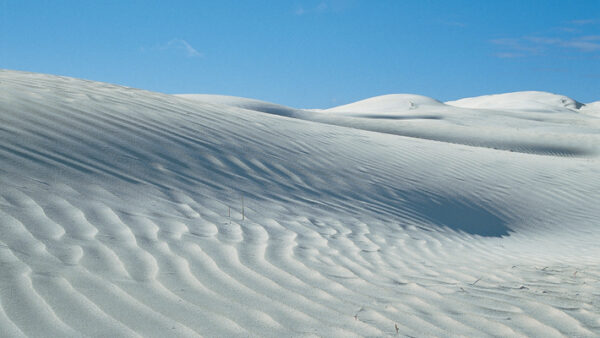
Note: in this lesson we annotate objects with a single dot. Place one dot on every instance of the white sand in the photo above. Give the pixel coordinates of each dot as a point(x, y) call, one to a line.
point(121, 215)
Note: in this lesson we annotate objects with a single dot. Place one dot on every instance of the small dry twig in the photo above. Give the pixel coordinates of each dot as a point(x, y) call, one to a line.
point(357, 312)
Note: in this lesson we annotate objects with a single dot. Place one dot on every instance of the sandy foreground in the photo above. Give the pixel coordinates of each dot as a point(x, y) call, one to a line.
point(125, 212)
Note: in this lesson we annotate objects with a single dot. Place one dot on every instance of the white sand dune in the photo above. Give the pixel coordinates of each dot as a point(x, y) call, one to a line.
point(390, 105)
point(126, 212)
point(543, 125)
point(523, 101)
point(591, 108)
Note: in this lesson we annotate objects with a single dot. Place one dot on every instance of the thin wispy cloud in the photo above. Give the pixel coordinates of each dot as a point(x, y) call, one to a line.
point(567, 29)
point(550, 69)
point(516, 44)
point(571, 37)
point(454, 23)
point(590, 38)
point(300, 11)
point(182, 45)
point(582, 22)
point(324, 6)
point(577, 26)
point(451, 23)
point(582, 44)
point(321, 7)
point(179, 46)
point(176, 45)
point(508, 55)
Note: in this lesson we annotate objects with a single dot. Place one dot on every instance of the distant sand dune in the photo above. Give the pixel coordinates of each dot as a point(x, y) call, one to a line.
point(528, 122)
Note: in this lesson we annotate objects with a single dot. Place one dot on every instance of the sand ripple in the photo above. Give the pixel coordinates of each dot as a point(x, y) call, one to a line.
point(130, 213)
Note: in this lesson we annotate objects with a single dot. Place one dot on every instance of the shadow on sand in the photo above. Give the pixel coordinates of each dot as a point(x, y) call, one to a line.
point(459, 215)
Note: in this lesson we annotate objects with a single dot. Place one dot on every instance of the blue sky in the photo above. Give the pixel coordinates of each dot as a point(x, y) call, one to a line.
point(312, 53)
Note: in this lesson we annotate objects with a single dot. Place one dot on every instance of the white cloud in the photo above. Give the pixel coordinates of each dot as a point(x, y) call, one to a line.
point(584, 46)
point(321, 7)
point(516, 45)
point(300, 11)
point(581, 43)
point(182, 45)
point(582, 22)
point(535, 45)
point(509, 55)
point(454, 23)
point(543, 40)
point(324, 6)
point(590, 38)
point(567, 29)
point(576, 36)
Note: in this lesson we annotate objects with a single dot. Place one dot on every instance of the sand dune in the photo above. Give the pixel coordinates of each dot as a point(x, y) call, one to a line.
point(543, 124)
point(390, 104)
point(126, 212)
point(591, 108)
point(523, 101)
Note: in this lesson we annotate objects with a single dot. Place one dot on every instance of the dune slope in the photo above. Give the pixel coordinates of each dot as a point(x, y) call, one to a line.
point(126, 213)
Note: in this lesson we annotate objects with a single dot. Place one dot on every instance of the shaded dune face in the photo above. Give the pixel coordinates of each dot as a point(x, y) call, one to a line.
point(126, 213)
point(461, 215)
